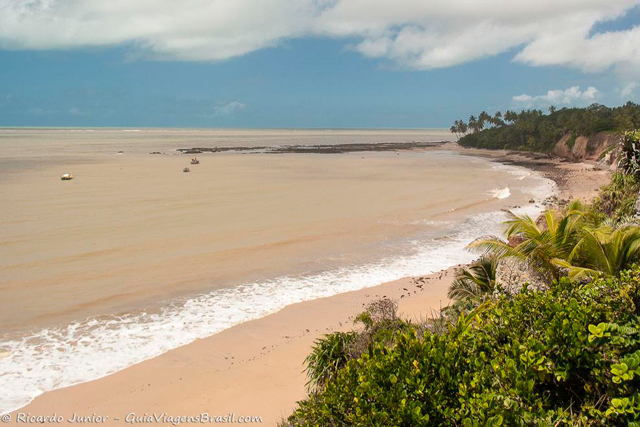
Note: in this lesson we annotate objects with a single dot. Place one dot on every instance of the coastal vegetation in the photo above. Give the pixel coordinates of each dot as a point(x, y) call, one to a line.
point(569, 355)
point(566, 352)
point(533, 130)
point(579, 242)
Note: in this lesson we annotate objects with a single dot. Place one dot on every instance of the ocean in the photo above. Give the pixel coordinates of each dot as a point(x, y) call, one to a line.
point(134, 257)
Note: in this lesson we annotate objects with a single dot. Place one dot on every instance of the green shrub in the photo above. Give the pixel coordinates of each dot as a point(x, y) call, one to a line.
point(332, 352)
point(572, 140)
point(630, 153)
point(533, 130)
point(617, 199)
point(567, 356)
point(476, 281)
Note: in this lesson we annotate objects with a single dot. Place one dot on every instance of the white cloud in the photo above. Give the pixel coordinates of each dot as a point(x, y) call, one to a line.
point(628, 90)
point(570, 96)
point(415, 34)
point(227, 109)
point(523, 98)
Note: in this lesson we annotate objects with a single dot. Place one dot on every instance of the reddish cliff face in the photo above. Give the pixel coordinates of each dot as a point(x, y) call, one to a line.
point(595, 148)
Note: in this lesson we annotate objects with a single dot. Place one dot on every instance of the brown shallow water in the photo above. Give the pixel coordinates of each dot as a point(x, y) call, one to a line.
point(134, 257)
point(133, 229)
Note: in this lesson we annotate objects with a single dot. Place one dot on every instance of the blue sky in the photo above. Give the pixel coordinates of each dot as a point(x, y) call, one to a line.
point(303, 79)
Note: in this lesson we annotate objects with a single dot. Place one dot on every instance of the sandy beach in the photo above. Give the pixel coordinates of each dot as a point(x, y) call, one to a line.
point(198, 200)
point(255, 368)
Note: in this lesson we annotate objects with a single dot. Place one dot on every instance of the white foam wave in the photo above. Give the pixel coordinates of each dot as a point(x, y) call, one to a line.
point(83, 351)
point(500, 193)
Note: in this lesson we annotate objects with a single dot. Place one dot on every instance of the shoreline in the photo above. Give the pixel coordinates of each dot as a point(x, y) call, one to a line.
point(265, 355)
point(574, 179)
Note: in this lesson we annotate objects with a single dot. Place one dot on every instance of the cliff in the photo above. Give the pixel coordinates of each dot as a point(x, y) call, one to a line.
point(598, 148)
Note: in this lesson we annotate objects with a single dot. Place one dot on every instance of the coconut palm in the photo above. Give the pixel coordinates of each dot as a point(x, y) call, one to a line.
point(538, 245)
point(476, 281)
point(454, 129)
point(604, 250)
point(579, 242)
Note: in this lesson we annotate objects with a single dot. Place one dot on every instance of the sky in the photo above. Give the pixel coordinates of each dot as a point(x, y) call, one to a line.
point(309, 63)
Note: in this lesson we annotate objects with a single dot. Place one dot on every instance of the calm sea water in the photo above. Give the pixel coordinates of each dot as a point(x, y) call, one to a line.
point(134, 257)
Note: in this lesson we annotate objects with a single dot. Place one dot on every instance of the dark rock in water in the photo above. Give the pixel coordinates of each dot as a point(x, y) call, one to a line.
point(532, 201)
point(186, 170)
point(317, 149)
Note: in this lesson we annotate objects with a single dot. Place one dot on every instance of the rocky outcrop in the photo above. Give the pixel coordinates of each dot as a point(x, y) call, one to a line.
point(598, 148)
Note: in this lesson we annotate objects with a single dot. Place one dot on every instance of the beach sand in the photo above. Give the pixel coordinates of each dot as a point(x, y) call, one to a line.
point(576, 180)
point(256, 368)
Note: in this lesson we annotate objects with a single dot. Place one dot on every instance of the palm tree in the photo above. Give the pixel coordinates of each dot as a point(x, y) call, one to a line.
point(473, 123)
point(497, 119)
point(579, 241)
point(454, 129)
point(462, 127)
point(476, 281)
point(538, 245)
point(603, 251)
point(483, 118)
point(510, 116)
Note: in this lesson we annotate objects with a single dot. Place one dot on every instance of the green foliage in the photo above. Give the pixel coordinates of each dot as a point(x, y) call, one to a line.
point(630, 153)
point(533, 130)
point(603, 250)
point(476, 281)
point(572, 140)
point(330, 353)
point(578, 242)
point(617, 200)
point(567, 356)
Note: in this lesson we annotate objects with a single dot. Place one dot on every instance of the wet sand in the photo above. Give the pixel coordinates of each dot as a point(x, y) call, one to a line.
point(254, 368)
point(580, 180)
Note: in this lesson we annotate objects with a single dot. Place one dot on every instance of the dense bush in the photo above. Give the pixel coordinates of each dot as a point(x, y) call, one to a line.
point(630, 153)
point(567, 356)
point(535, 131)
point(331, 353)
point(617, 200)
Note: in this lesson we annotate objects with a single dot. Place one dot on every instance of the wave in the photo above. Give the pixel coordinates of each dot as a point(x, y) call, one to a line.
point(83, 351)
point(500, 193)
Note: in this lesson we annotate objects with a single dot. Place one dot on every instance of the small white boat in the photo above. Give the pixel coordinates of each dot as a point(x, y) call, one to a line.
point(66, 177)
point(195, 161)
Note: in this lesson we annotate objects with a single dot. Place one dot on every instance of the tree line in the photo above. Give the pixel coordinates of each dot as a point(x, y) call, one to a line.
point(533, 130)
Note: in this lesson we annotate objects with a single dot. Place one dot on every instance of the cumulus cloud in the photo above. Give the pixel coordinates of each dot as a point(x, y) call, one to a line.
point(628, 90)
point(227, 109)
point(570, 96)
point(415, 34)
